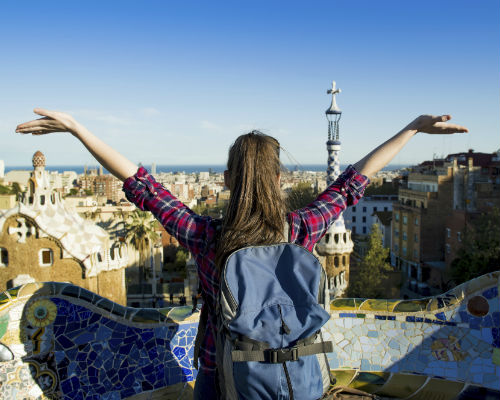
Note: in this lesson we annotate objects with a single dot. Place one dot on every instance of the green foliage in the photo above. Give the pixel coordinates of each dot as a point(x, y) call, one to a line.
point(5, 190)
point(214, 212)
point(181, 258)
point(373, 269)
point(480, 253)
point(88, 192)
point(300, 196)
point(73, 191)
point(141, 233)
point(14, 189)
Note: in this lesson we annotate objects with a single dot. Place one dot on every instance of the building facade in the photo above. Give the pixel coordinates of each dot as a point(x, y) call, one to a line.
point(40, 240)
point(429, 220)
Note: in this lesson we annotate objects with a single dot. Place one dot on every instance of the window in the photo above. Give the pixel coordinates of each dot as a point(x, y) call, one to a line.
point(364, 229)
point(46, 257)
point(416, 220)
point(404, 236)
point(396, 233)
point(459, 236)
point(4, 257)
point(396, 217)
point(396, 248)
point(448, 249)
point(448, 232)
point(405, 219)
point(415, 253)
point(42, 199)
point(354, 209)
point(364, 209)
point(386, 209)
point(353, 218)
point(415, 238)
point(374, 209)
point(404, 251)
point(364, 219)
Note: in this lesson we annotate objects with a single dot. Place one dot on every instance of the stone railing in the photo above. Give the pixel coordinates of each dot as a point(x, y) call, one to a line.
point(60, 341)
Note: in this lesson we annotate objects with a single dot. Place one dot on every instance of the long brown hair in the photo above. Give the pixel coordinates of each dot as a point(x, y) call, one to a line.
point(256, 210)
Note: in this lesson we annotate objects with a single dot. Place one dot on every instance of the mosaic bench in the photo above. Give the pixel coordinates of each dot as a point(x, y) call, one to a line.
point(59, 341)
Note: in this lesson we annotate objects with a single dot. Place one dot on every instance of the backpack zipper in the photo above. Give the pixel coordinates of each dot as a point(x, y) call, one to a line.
point(284, 326)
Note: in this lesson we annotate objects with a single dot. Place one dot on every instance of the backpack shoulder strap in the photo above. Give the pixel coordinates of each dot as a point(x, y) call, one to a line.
point(202, 329)
point(286, 231)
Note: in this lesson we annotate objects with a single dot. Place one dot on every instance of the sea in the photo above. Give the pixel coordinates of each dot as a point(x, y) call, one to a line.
point(188, 169)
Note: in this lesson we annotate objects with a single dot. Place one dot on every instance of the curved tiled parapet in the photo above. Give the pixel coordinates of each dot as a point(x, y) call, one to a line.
point(61, 341)
point(444, 347)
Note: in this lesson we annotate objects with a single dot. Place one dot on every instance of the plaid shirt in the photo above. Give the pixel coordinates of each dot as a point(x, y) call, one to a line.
point(197, 233)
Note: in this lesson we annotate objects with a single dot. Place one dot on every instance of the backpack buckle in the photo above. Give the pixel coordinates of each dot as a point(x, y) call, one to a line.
point(278, 356)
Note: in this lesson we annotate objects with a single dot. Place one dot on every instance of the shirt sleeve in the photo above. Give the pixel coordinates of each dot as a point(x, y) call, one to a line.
point(189, 228)
point(309, 224)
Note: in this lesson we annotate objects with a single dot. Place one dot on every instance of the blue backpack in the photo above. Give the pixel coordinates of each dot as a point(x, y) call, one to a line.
point(273, 302)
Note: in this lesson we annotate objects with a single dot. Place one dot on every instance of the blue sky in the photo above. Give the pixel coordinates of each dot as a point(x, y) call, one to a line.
point(176, 82)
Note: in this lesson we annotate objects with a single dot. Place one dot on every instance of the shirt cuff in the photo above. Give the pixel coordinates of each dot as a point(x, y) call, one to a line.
point(139, 187)
point(352, 185)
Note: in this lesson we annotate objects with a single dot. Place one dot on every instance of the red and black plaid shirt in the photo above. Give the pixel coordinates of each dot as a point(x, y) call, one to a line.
point(197, 233)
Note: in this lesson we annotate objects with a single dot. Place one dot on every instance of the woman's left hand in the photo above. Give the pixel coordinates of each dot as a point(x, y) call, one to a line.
point(435, 125)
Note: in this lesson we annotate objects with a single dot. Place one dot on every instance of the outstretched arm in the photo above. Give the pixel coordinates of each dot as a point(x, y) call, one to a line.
point(383, 154)
point(55, 121)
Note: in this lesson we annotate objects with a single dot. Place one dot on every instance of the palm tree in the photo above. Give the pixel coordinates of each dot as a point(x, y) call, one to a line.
point(141, 234)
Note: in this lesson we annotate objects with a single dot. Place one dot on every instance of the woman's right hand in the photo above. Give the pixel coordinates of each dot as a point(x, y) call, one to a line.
point(52, 121)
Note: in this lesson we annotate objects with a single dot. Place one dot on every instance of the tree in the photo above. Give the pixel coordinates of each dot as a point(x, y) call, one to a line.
point(480, 252)
point(373, 268)
point(141, 234)
point(16, 188)
point(5, 190)
point(300, 195)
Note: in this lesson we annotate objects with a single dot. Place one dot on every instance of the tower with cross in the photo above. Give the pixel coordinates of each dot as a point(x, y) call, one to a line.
point(336, 246)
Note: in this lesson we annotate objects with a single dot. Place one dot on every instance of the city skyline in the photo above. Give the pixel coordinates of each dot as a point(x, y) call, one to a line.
point(150, 79)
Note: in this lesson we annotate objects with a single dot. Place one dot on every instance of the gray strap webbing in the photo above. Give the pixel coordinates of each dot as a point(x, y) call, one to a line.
point(202, 328)
point(281, 354)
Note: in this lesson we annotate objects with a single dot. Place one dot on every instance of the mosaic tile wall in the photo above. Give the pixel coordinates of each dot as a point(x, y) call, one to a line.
point(59, 341)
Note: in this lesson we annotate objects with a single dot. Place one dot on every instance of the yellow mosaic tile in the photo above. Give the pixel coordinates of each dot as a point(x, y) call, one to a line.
point(496, 356)
point(343, 304)
point(402, 385)
point(439, 389)
point(343, 376)
point(411, 305)
point(374, 305)
point(369, 381)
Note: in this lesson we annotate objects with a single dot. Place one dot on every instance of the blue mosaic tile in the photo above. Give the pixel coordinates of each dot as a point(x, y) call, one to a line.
point(496, 318)
point(491, 293)
point(441, 316)
point(464, 316)
point(347, 315)
point(495, 332)
point(382, 317)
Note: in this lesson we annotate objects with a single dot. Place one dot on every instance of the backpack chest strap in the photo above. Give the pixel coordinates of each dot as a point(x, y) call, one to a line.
point(278, 356)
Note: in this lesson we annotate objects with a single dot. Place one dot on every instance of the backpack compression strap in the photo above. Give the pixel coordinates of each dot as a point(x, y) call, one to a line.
point(275, 356)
